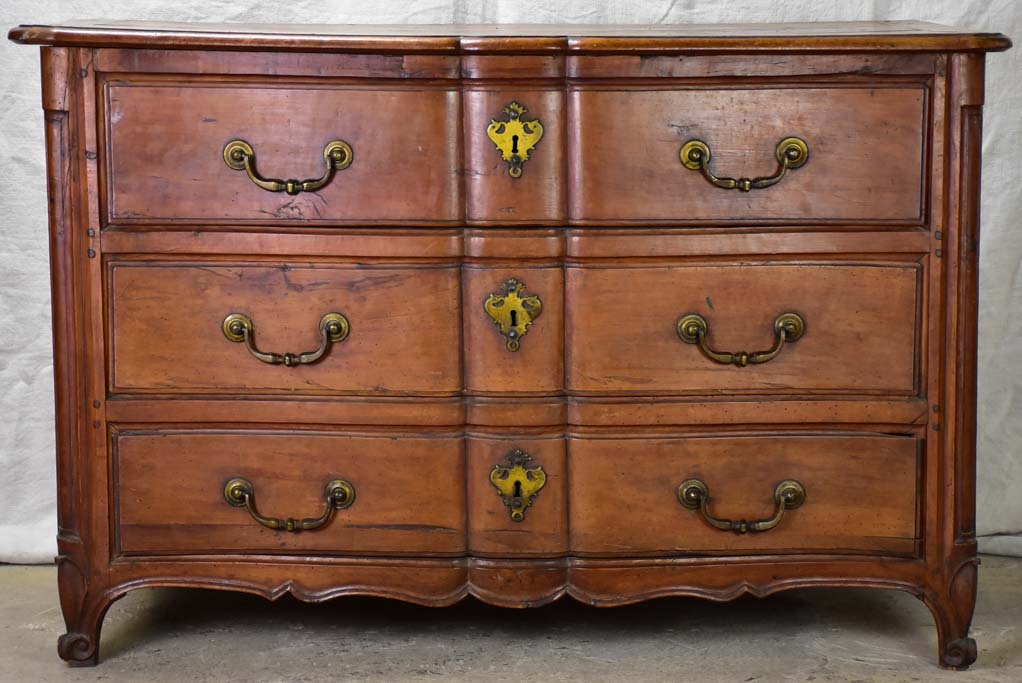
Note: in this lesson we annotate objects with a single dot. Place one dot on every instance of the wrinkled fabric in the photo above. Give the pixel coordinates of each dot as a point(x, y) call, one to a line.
point(27, 471)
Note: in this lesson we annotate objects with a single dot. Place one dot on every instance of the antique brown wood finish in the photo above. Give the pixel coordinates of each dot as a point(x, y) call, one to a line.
point(285, 302)
point(157, 511)
point(400, 137)
point(872, 510)
point(854, 174)
point(866, 312)
point(492, 196)
point(424, 408)
point(492, 532)
point(489, 367)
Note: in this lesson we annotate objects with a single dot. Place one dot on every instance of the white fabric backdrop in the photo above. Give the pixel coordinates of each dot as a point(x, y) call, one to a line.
point(27, 488)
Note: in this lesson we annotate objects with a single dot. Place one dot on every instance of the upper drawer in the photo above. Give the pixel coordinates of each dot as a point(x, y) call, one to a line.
point(847, 328)
point(864, 164)
point(166, 142)
point(169, 330)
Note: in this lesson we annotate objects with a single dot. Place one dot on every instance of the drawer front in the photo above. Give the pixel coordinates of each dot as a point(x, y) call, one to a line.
point(170, 492)
point(166, 328)
point(859, 333)
point(860, 494)
point(536, 296)
point(535, 194)
point(526, 515)
point(166, 146)
point(865, 154)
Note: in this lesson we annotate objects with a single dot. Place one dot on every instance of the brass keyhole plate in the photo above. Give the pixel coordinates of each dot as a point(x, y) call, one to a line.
point(515, 138)
point(513, 312)
point(518, 484)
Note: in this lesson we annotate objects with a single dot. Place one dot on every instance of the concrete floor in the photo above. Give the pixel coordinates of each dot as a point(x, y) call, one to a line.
point(806, 635)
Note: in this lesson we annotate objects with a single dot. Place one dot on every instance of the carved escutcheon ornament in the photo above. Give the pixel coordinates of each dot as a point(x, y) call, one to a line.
point(512, 312)
point(515, 138)
point(518, 484)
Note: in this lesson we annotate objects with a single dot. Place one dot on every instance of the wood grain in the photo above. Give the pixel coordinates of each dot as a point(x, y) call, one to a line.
point(538, 365)
point(165, 331)
point(169, 492)
point(491, 194)
point(853, 172)
point(861, 327)
point(319, 65)
point(860, 494)
point(874, 242)
point(902, 36)
point(165, 145)
point(492, 533)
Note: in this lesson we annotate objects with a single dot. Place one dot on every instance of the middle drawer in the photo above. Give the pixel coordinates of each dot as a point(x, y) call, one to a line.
point(180, 328)
point(710, 328)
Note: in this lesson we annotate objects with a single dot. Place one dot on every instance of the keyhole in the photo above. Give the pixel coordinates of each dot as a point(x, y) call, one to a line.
point(518, 489)
point(514, 144)
point(514, 318)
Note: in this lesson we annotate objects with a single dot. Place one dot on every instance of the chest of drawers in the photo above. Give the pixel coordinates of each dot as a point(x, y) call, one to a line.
point(514, 312)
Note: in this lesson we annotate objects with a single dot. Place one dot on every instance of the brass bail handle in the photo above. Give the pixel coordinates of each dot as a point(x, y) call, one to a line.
point(694, 494)
point(790, 153)
point(240, 156)
point(339, 494)
point(333, 328)
point(693, 329)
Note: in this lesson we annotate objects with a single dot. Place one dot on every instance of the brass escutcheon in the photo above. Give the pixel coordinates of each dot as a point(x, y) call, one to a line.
point(790, 153)
point(517, 484)
point(515, 138)
point(512, 312)
point(694, 494)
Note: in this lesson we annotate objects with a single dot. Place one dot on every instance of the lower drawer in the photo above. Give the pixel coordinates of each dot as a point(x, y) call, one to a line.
point(860, 494)
point(407, 494)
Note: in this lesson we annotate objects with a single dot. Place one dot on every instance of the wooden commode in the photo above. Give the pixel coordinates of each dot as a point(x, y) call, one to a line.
point(515, 312)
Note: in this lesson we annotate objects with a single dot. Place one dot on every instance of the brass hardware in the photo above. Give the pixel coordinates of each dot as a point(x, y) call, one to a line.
point(695, 495)
point(790, 153)
point(240, 156)
point(512, 312)
point(518, 484)
point(693, 328)
point(333, 327)
point(515, 138)
point(340, 494)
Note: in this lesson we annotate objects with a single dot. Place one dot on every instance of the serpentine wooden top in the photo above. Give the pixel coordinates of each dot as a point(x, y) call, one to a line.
point(904, 36)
